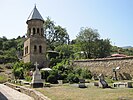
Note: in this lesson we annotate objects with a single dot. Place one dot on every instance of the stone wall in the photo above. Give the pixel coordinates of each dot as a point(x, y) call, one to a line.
point(28, 91)
point(106, 66)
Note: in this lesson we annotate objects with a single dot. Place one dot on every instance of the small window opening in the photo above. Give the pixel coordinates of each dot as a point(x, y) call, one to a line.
point(40, 49)
point(35, 48)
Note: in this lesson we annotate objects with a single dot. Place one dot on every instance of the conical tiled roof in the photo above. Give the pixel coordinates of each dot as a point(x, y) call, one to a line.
point(35, 15)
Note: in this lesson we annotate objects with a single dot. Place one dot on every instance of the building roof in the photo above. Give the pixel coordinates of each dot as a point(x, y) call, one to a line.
point(35, 15)
point(118, 55)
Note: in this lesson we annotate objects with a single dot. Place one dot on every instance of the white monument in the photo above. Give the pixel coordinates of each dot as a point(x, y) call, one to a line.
point(36, 78)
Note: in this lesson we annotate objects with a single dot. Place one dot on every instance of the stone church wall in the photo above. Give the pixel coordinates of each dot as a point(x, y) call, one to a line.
point(106, 66)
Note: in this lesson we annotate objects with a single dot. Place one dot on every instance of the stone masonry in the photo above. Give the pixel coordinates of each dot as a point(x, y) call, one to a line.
point(35, 44)
point(106, 65)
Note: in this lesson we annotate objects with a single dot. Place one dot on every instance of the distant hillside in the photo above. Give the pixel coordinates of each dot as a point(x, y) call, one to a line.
point(127, 47)
point(11, 49)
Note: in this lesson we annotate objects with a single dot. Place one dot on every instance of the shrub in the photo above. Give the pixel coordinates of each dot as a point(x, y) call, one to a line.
point(44, 74)
point(52, 79)
point(78, 71)
point(20, 69)
point(3, 78)
point(75, 79)
point(54, 61)
point(72, 78)
point(18, 73)
point(28, 78)
point(86, 74)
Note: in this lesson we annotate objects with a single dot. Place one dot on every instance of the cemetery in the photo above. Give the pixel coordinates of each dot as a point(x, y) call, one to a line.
point(100, 87)
point(46, 69)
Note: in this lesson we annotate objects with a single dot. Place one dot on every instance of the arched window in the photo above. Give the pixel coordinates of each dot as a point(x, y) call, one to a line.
point(35, 48)
point(41, 31)
point(27, 49)
point(37, 30)
point(34, 31)
point(40, 49)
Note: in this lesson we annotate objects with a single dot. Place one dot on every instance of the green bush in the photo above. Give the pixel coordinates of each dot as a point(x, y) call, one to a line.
point(86, 74)
point(44, 74)
point(52, 79)
point(75, 79)
point(72, 78)
point(54, 61)
point(28, 78)
point(18, 73)
point(78, 71)
point(20, 69)
point(3, 78)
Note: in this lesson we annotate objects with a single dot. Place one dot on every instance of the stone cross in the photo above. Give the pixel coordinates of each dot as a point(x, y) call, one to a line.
point(36, 78)
point(36, 64)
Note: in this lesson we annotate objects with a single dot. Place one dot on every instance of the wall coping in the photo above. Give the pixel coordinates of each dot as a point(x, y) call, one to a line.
point(104, 59)
point(28, 91)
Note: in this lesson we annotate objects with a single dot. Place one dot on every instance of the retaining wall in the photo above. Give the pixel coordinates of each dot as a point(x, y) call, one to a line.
point(106, 65)
point(31, 92)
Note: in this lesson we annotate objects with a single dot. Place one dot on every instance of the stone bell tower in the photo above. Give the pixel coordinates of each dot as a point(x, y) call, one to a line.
point(35, 44)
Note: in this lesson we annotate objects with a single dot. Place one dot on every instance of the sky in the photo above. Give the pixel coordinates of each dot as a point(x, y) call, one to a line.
point(112, 18)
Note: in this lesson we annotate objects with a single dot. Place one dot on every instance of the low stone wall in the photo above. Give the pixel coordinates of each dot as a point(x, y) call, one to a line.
point(106, 66)
point(31, 92)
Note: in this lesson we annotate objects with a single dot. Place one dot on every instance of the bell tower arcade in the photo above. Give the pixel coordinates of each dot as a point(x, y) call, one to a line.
point(35, 44)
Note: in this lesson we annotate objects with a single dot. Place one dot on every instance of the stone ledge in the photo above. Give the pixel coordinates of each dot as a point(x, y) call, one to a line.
point(104, 59)
point(31, 92)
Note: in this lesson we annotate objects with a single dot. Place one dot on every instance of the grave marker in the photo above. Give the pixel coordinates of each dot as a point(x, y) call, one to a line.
point(102, 82)
point(36, 78)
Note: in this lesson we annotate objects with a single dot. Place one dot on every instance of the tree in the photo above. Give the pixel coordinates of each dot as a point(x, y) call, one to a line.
point(18, 70)
point(86, 40)
point(21, 69)
point(89, 43)
point(65, 51)
point(55, 35)
point(103, 48)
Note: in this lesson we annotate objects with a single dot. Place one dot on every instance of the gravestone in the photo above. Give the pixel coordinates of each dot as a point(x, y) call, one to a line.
point(36, 78)
point(95, 77)
point(129, 84)
point(60, 82)
point(82, 83)
point(102, 82)
point(123, 84)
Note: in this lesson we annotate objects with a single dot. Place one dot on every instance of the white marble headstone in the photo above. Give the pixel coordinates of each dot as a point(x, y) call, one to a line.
point(36, 75)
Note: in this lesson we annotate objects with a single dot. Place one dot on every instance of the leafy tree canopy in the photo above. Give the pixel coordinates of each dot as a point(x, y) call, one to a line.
point(55, 35)
point(90, 44)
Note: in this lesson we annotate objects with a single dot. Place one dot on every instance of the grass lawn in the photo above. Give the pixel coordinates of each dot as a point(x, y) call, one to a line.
point(68, 92)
